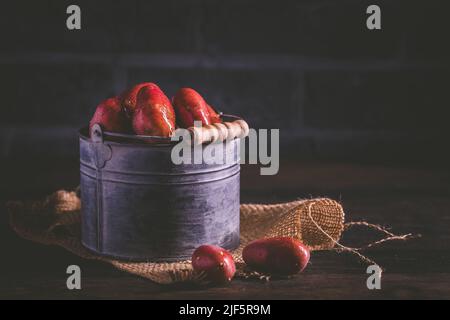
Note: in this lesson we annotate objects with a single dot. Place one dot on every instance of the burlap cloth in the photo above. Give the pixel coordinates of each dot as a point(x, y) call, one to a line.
point(318, 223)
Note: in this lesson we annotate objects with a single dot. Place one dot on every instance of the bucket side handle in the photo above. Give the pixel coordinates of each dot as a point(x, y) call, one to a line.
point(103, 152)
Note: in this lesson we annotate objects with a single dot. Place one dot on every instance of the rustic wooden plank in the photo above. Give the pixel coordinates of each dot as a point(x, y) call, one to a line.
point(407, 199)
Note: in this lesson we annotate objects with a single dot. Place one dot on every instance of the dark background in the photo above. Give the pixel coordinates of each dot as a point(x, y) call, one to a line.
point(363, 117)
point(310, 68)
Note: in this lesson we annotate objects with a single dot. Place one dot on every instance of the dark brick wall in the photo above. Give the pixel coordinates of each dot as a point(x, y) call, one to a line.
point(310, 68)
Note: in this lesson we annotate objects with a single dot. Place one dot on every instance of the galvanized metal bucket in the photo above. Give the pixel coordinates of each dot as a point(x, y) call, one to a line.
point(138, 205)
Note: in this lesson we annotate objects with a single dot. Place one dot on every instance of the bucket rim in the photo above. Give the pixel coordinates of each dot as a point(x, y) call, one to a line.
point(135, 139)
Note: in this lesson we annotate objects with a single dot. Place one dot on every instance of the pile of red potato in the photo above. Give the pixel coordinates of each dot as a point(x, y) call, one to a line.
point(146, 110)
point(277, 256)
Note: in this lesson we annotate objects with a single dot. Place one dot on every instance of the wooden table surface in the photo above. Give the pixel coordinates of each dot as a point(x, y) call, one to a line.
point(408, 199)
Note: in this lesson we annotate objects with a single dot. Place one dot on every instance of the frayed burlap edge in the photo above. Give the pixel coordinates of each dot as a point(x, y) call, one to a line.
point(318, 223)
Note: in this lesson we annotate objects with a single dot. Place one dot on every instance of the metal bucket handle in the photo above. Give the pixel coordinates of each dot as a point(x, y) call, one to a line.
point(98, 133)
point(103, 151)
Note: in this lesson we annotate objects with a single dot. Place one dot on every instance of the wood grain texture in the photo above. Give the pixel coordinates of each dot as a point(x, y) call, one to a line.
point(408, 199)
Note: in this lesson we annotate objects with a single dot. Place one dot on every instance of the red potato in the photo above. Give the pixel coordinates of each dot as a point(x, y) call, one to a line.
point(190, 106)
point(154, 114)
point(111, 116)
point(279, 255)
point(129, 97)
point(216, 262)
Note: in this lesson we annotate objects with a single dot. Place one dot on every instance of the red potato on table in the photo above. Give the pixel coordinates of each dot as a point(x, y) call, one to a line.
point(190, 106)
point(216, 262)
point(154, 114)
point(129, 97)
point(279, 255)
point(110, 115)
